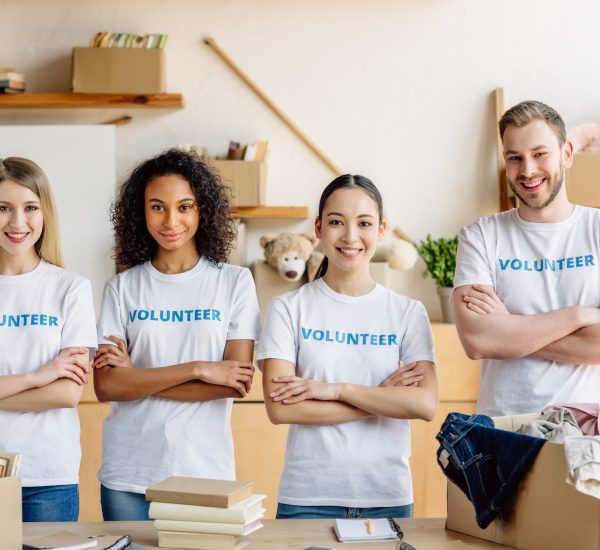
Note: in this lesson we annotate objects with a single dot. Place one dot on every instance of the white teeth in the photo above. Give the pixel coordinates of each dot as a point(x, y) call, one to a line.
point(16, 235)
point(349, 251)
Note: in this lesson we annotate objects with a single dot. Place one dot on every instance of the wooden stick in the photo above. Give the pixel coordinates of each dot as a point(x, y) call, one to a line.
point(122, 120)
point(402, 235)
point(332, 166)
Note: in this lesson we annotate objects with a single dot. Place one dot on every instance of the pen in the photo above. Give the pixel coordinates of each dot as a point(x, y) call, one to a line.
point(369, 526)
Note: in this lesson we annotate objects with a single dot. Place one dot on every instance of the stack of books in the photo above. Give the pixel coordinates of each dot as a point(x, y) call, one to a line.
point(204, 514)
point(127, 40)
point(11, 82)
point(9, 464)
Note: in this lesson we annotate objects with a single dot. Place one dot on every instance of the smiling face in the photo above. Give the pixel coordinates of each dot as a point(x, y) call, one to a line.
point(21, 220)
point(535, 164)
point(349, 229)
point(172, 215)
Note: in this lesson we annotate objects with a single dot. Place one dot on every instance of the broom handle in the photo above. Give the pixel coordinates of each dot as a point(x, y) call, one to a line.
point(311, 145)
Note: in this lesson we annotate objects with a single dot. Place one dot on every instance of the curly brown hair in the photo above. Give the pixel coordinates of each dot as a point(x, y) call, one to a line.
point(216, 232)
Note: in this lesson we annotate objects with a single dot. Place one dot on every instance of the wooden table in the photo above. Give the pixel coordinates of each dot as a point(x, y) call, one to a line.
point(423, 534)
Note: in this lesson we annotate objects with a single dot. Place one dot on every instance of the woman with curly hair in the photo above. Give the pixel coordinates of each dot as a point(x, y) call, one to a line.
point(176, 333)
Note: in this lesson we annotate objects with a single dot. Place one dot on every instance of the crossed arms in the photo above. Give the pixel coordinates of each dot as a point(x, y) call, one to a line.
point(409, 392)
point(486, 328)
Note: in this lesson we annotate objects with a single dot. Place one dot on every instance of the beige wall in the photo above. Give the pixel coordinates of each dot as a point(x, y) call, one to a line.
point(396, 90)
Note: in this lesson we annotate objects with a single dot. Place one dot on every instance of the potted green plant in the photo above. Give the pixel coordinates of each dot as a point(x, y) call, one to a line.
point(439, 256)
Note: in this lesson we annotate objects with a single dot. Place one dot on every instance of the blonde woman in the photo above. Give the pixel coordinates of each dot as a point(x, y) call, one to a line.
point(47, 331)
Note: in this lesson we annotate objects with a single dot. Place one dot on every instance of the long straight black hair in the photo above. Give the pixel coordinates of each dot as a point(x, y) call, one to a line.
point(347, 181)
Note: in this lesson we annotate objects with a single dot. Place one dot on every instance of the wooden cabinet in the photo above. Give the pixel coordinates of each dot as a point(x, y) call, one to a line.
point(260, 446)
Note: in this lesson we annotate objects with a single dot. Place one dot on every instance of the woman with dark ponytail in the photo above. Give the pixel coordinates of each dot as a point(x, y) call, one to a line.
point(347, 362)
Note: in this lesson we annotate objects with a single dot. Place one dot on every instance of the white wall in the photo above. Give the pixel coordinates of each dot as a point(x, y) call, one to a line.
point(396, 90)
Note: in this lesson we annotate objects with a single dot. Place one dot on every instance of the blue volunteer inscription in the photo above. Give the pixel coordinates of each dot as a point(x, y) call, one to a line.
point(349, 338)
point(28, 320)
point(546, 264)
point(174, 315)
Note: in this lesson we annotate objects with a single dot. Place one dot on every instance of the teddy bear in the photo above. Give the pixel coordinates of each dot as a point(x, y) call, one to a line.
point(291, 254)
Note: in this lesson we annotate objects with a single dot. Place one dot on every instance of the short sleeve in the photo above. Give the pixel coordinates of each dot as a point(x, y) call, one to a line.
point(472, 265)
point(79, 328)
point(245, 315)
point(417, 343)
point(278, 339)
point(109, 322)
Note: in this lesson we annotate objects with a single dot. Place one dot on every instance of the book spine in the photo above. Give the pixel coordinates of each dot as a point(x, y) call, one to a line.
point(176, 512)
point(199, 527)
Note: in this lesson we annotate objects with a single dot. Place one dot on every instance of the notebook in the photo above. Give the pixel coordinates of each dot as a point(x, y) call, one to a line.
point(63, 540)
point(355, 530)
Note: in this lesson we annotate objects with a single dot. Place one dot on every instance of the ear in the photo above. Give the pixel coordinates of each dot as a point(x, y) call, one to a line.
point(382, 229)
point(318, 227)
point(266, 239)
point(567, 152)
point(310, 237)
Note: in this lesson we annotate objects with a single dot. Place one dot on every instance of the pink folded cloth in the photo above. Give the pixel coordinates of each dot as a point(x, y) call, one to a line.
point(587, 415)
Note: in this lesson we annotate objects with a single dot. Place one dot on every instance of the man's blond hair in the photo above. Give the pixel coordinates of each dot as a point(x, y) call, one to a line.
point(527, 111)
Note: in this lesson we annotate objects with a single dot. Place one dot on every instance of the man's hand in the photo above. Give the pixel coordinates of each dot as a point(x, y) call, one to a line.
point(483, 301)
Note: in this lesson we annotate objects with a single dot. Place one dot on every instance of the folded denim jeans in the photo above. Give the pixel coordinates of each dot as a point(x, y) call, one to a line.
point(486, 463)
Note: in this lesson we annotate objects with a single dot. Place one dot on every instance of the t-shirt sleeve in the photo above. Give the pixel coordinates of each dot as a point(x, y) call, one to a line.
point(245, 315)
point(417, 343)
point(472, 264)
point(278, 339)
point(79, 328)
point(109, 322)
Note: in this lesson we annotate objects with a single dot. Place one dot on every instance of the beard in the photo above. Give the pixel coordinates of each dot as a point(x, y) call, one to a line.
point(554, 183)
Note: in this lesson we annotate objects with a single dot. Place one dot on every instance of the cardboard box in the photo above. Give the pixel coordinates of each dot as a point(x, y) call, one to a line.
point(547, 513)
point(247, 180)
point(583, 180)
point(119, 70)
point(11, 519)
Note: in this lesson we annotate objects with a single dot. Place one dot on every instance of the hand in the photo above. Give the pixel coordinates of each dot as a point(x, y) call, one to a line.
point(405, 375)
point(72, 363)
point(295, 389)
point(483, 300)
point(112, 356)
point(229, 372)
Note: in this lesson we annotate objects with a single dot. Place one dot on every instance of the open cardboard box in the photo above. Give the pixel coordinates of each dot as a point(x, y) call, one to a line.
point(11, 520)
point(247, 180)
point(546, 514)
point(583, 180)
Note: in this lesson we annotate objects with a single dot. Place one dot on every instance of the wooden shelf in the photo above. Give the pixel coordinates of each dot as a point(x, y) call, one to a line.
point(77, 100)
point(270, 212)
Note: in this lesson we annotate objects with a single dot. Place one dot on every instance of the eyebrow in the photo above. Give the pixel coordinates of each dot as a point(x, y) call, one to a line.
point(510, 152)
point(359, 216)
point(26, 203)
point(179, 201)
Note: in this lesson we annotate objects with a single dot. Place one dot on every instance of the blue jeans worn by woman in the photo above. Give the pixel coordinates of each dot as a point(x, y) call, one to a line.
point(123, 505)
point(51, 503)
point(292, 511)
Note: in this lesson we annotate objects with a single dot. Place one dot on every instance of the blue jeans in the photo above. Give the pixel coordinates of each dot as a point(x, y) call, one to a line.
point(123, 505)
point(292, 511)
point(486, 463)
point(51, 503)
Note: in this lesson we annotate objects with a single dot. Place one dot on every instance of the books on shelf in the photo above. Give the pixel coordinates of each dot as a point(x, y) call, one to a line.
point(173, 539)
point(208, 514)
point(199, 491)
point(127, 40)
point(11, 82)
point(9, 464)
point(240, 512)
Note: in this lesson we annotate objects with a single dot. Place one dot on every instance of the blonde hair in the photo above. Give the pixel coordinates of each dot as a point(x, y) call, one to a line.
point(527, 111)
point(27, 173)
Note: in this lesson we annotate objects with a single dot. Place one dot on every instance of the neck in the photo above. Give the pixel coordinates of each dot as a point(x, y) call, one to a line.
point(171, 262)
point(350, 283)
point(557, 211)
point(18, 265)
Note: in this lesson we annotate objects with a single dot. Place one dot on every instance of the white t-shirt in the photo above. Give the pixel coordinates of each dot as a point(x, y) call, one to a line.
point(168, 320)
point(337, 338)
point(41, 313)
point(534, 268)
